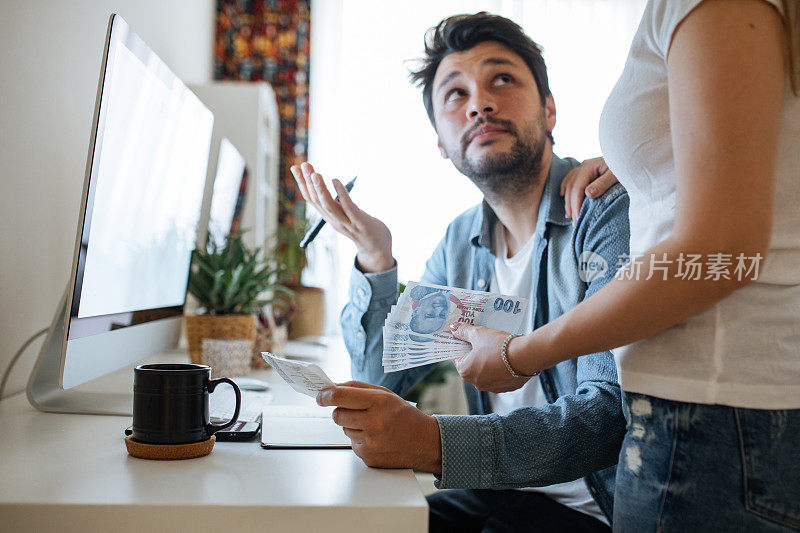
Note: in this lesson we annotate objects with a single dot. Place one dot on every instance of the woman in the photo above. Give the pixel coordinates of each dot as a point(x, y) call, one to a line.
point(703, 129)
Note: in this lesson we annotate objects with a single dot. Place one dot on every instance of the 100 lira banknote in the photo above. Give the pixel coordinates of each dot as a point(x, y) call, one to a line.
point(417, 329)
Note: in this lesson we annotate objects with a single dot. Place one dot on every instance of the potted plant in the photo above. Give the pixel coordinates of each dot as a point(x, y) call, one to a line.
point(230, 283)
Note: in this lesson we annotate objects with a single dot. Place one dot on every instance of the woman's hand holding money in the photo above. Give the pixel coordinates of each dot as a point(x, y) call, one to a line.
point(371, 236)
point(483, 366)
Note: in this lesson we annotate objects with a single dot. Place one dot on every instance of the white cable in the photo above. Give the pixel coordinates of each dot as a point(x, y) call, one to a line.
point(17, 356)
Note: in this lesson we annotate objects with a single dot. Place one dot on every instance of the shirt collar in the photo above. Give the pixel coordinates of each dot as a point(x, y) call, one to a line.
point(552, 205)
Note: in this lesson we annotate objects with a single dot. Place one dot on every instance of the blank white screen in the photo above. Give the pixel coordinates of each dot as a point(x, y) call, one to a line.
point(149, 189)
point(230, 168)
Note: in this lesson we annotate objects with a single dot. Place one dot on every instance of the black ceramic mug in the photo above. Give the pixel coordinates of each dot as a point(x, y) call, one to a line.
point(170, 403)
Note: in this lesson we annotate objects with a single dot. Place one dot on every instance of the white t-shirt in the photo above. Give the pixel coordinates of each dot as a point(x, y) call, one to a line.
point(744, 351)
point(514, 276)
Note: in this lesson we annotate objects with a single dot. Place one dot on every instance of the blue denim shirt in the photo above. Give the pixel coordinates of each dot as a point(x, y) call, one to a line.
point(580, 431)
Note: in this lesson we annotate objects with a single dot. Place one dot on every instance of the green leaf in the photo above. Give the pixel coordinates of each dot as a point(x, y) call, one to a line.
point(233, 278)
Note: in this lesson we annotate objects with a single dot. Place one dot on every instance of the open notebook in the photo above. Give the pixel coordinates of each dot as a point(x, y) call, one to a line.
point(300, 426)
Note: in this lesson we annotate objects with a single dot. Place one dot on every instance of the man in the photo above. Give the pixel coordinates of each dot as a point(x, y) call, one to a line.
point(485, 89)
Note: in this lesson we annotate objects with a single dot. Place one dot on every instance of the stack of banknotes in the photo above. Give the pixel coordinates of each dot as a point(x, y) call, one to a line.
point(417, 329)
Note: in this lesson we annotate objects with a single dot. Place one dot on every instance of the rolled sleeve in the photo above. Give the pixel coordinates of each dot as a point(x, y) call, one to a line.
point(467, 451)
point(375, 290)
point(369, 300)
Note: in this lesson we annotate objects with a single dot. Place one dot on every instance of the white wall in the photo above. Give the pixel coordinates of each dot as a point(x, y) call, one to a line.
point(50, 52)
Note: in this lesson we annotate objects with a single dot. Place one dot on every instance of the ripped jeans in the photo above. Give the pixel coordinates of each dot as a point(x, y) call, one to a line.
point(687, 467)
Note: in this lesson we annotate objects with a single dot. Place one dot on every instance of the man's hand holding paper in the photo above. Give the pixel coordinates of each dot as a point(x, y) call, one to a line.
point(386, 431)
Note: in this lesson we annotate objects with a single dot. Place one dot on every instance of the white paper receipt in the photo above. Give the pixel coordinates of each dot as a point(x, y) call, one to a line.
point(303, 376)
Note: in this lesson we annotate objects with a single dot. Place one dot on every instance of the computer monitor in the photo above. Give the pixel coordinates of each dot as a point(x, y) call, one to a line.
point(228, 197)
point(137, 226)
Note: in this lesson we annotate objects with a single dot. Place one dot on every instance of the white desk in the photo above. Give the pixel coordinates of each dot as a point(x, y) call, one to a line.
point(72, 473)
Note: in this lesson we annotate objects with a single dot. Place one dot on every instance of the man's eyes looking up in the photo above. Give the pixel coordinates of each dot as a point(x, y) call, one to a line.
point(452, 94)
point(457, 92)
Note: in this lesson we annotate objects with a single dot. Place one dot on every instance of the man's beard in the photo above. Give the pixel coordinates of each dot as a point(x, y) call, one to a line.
point(509, 174)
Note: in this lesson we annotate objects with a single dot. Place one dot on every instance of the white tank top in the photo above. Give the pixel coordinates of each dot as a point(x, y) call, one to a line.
point(744, 351)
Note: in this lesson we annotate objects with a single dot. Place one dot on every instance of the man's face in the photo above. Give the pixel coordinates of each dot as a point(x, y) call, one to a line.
point(490, 119)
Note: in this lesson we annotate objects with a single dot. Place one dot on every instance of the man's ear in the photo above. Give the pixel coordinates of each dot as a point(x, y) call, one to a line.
point(441, 149)
point(550, 113)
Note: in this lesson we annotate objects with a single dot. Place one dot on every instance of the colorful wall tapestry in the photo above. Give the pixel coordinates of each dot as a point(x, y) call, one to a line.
point(269, 40)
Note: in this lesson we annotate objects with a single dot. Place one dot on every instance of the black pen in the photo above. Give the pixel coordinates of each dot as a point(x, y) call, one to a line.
point(311, 235)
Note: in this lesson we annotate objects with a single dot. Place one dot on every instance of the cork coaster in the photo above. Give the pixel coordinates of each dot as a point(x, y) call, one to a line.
point(169, 451)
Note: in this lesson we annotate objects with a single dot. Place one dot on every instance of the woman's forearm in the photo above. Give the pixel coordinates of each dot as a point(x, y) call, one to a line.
point(628, 310)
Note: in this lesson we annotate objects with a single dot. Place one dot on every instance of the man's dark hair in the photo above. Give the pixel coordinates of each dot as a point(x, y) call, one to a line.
point(463, 32)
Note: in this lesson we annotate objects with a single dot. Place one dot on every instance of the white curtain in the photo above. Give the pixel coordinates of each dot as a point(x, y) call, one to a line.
point(366, 119)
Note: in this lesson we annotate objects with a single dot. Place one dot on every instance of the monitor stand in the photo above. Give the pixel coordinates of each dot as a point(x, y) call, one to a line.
point(44, 389)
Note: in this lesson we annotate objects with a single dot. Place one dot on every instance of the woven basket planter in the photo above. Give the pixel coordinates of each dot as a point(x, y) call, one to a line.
point(309, 317)
point(199, 327)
